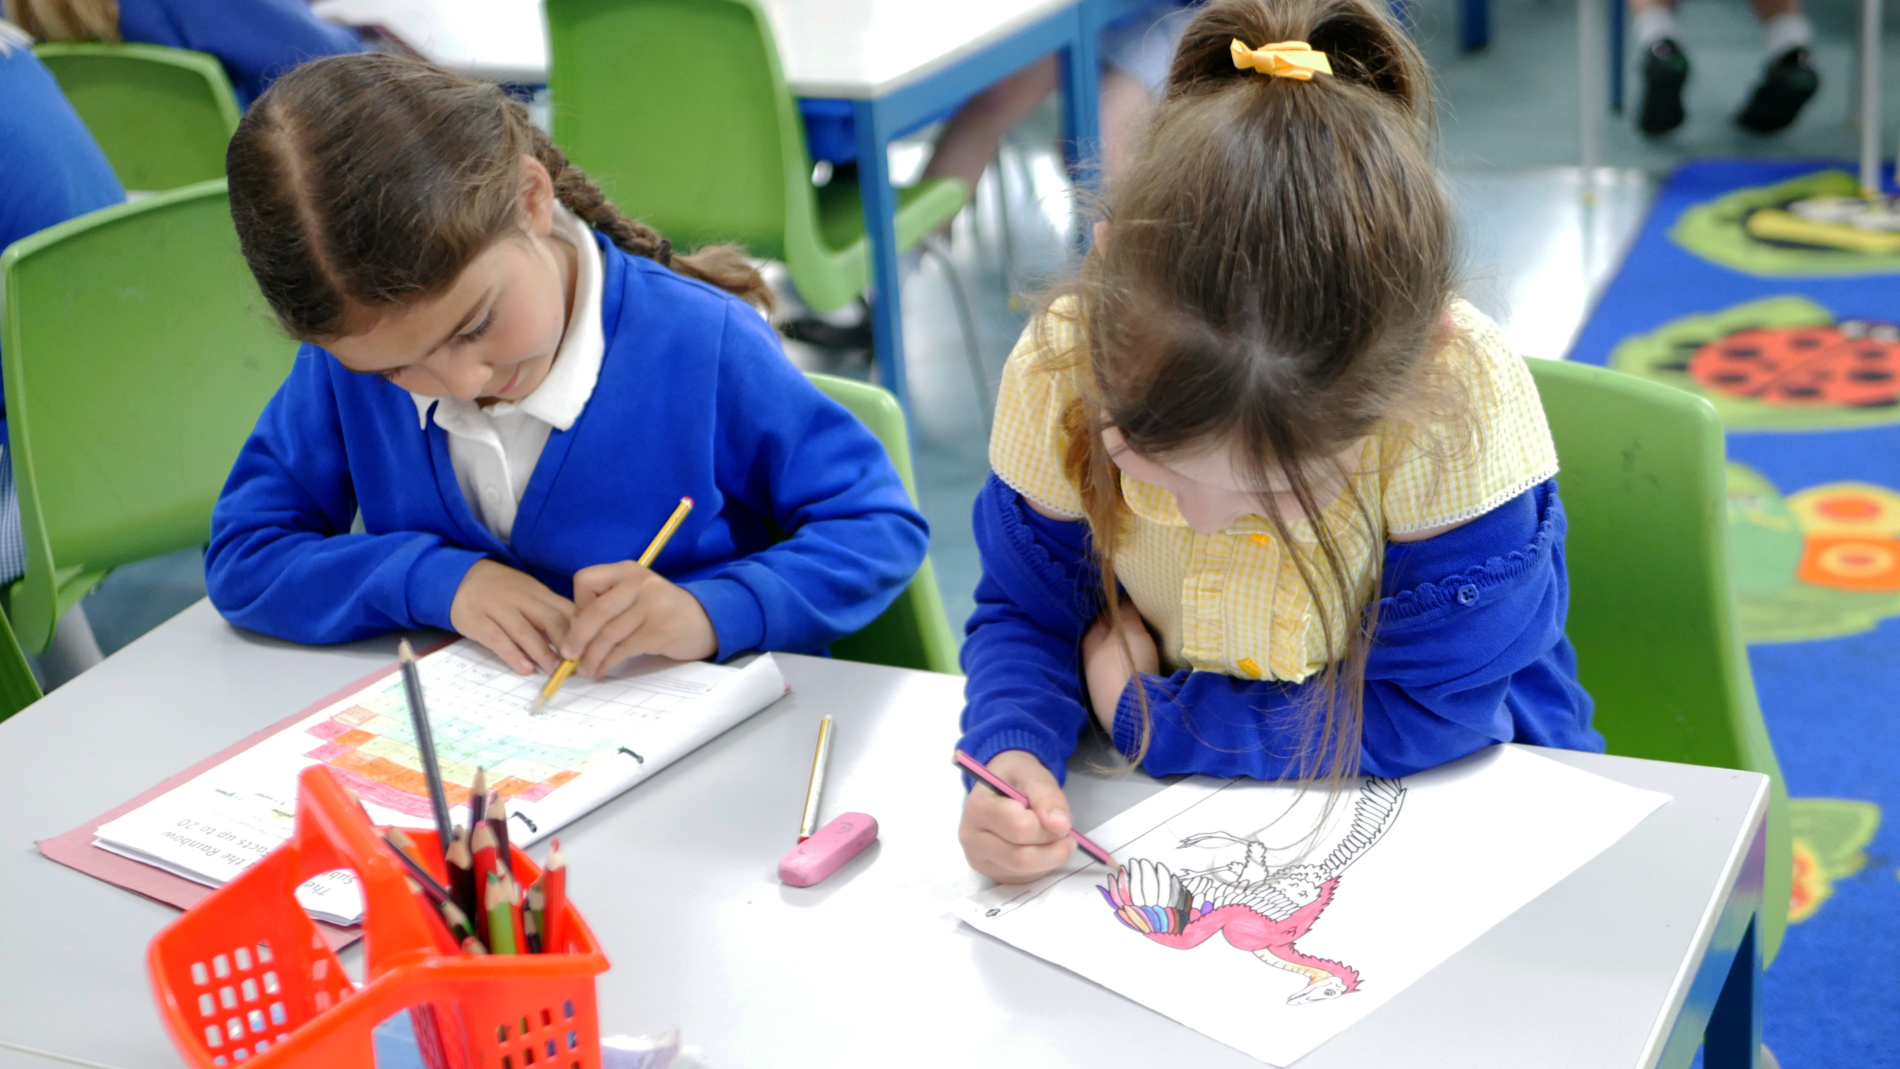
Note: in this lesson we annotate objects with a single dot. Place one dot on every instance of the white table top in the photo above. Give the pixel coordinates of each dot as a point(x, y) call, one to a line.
point(829, 48)
point(677, 880)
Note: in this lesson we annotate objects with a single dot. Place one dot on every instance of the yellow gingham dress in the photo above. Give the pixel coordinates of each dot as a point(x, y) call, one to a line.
point(1232, 602)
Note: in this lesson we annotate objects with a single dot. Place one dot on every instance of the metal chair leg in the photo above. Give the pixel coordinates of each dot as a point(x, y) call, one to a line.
point(966, 316)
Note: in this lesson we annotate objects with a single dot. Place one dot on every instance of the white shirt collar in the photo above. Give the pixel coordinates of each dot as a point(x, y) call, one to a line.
point(559, 399)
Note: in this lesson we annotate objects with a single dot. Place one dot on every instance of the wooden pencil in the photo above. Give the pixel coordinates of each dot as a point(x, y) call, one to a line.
point(554, 909)
point(425, 740)
point(501, 925)
point(461, 864)
point(478, 798)
point(404, 848)
point(498, 820)
point(482, 844)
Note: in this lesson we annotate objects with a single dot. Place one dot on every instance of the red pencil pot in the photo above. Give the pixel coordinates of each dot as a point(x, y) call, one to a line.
point(245, 977)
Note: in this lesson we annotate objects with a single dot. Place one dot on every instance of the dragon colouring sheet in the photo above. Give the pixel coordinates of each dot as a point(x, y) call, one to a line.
point(1271, 917)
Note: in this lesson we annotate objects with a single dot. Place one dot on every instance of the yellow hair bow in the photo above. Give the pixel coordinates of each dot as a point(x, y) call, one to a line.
point(1284, 59)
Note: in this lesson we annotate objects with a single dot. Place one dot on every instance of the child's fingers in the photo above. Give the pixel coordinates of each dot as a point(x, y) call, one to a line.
point(593, 581)
point(1014, 863)
point(1009, 820)
point(604, 650)
point(549, 620)
point(490, 634)
point(594, 616)
point(529, 641)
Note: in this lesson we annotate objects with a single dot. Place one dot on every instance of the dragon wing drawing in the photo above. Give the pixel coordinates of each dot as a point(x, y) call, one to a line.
point(1261, 909)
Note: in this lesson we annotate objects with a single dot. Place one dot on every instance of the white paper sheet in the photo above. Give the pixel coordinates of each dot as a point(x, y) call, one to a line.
point(1304, 934)
point(595, 740)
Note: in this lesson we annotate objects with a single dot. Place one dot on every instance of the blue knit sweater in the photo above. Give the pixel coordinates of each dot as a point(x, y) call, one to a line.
point(1469, 651)
point(255, 40)
point(695, 397)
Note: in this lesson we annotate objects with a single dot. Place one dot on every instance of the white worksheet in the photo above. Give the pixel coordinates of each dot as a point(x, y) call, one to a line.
point(1272, 917)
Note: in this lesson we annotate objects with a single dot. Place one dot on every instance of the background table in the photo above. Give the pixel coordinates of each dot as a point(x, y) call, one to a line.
point(677, 879)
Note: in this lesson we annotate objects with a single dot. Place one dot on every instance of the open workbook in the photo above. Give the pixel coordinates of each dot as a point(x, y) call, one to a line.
point(593, 741)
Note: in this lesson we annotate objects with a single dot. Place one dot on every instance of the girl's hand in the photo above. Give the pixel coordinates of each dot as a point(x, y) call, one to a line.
point(1003, 840)
point(511, 613)
point(1104, 666)
point(626, 609)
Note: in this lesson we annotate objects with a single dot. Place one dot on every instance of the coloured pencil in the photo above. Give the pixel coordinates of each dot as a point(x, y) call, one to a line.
point(478, 798)
point(554, 909)
point(473, 947)
point(425, 740)
point(498, 821)
point(980, 771)
point(501, 925)
point(461, 863)
point(531, 930)
point(482, 846)
point(445, 936)
point(808, 823)
point(516, 913)
point(404, 848)
point(459, 924)
point(537, 908)
point(647, 558)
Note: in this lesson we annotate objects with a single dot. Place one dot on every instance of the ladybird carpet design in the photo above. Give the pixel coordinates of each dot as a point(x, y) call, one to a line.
point(1757, 285)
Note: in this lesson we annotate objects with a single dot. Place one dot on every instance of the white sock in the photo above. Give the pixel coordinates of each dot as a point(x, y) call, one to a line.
point(1784, 33)
point(1653, 24)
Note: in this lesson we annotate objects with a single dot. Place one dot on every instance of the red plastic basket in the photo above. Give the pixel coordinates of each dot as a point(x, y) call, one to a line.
point(245, 977)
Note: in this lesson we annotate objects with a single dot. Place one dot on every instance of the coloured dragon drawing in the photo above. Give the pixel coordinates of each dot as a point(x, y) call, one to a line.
point(1259, 909)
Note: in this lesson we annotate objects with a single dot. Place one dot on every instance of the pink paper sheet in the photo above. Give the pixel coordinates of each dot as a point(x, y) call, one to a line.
point(74, 849)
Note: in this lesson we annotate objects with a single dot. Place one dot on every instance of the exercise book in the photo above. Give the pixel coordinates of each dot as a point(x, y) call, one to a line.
point(1328, 904)
point(596, 739)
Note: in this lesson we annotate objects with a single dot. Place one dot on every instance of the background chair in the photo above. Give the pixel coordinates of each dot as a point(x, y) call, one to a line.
point(680, 110)
point(1652, 609)
point(162, 115)
point(913, 632)
point(137, 356)
point(18, 688)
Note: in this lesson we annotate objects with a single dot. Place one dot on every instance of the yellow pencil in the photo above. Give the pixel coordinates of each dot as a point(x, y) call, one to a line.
point(646, 561)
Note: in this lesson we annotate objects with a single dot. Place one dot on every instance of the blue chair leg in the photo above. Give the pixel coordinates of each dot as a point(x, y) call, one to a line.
point(1474, 24)
point(1619, 64)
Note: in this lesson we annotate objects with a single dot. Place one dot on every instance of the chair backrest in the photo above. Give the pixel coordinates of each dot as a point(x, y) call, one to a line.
point(162, 115)
point(1652, 606)
point(913, 632)
point(138, 354)
point(679, 109)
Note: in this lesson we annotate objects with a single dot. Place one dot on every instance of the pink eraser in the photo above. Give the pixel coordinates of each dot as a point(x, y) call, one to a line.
point(830, 847)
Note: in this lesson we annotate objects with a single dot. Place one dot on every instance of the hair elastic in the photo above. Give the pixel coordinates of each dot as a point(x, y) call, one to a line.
point(1283, 59)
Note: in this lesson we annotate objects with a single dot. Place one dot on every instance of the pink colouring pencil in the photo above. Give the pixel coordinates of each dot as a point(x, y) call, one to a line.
point(976, 768)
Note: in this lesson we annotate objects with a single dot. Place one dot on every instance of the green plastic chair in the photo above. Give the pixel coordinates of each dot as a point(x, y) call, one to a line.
point(914, 632)
point(679, 109)
point(18, 688)
point(137, 359)
point(1652, 606)
point(162, 115)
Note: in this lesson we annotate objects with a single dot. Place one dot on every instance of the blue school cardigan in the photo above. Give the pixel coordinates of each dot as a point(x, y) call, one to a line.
point(255, 40)
point(695, 397)
point(1469, 651)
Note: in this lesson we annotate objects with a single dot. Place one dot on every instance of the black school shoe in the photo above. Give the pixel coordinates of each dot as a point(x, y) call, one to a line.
point(1665, 70)
point(1786, 85)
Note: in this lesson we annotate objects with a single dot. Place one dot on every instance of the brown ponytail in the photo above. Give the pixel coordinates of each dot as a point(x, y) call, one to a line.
point(1279, 256)
point(364, 181)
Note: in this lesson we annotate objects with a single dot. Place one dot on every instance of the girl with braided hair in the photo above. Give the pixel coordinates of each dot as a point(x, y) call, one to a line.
point(506, 386)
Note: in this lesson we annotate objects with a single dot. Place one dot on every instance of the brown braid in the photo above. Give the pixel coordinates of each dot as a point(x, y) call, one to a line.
point(725, 266)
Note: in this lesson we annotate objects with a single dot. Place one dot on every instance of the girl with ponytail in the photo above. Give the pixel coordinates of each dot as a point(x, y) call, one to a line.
point(506, 386)
point(1266, 498)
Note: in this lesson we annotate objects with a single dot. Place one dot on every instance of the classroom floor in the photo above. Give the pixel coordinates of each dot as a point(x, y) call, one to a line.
point(1536, 253)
